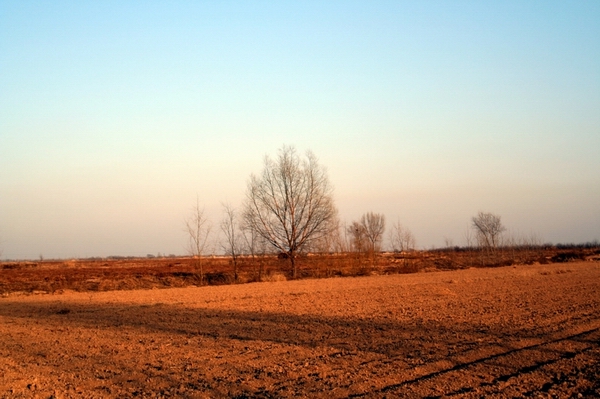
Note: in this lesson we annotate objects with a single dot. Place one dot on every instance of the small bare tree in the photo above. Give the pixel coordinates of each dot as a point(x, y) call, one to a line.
point(357, 237)
point(488, 230)
point(401, 238)
point(366, 235)
point(291, 203)
point(373, 225)
point(250, 241)
point(233, 243)
point(468, 235)
point(198, 229)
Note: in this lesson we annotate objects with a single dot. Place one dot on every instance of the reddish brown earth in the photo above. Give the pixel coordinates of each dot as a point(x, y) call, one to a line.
point(514, 331)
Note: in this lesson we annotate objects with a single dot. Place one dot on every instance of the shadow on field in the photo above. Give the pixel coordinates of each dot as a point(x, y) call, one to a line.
point(359, 344)
point(417, 343)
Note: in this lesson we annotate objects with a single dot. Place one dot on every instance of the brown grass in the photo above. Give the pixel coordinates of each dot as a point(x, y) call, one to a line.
point(145, 273)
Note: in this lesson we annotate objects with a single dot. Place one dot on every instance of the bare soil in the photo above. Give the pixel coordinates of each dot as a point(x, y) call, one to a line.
point(516, 331)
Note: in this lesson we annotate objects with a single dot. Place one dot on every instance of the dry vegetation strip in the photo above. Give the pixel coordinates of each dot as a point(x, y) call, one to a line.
point(143, 273)
point(501, 332)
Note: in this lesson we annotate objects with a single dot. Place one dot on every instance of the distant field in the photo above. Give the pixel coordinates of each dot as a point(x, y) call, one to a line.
point(488, 332)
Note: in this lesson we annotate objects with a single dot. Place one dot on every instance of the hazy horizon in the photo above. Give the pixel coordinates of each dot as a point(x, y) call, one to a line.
point(114, 116)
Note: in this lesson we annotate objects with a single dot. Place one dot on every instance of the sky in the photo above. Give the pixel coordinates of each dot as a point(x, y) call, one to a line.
point(115, 116)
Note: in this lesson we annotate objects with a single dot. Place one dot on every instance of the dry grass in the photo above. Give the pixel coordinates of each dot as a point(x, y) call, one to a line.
point(147, 273)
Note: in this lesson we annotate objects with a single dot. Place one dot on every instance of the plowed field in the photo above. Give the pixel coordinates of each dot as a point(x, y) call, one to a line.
point(502, 332)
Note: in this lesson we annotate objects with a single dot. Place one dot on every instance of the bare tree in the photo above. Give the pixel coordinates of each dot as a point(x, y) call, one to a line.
point(357, 237)
point(488, 230)
point(347, 238)
point(255, 246)
point(468, 235)
point(198, 229)
point(332, 242)
point(328, 246)
point(233, 243)
point(250, 240)
point(373, 225)
point(401, 238)
point(448, 243)
point(290, 204)
point(366, 235)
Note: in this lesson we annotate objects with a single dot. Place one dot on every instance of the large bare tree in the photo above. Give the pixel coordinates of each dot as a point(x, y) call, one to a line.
point(290, 203)
point(198, 229)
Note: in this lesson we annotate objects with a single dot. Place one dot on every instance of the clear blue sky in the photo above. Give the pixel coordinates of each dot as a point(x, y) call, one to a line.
point(115, 115)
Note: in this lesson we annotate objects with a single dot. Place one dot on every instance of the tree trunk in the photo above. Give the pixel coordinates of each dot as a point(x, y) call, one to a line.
point(199, 267)
point(235, 269)
point(293, 263)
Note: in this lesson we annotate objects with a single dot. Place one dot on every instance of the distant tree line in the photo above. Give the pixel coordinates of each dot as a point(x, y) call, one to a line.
point(289, 210)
